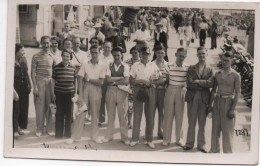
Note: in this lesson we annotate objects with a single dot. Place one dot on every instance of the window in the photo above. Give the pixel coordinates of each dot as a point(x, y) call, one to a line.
point(23, 9)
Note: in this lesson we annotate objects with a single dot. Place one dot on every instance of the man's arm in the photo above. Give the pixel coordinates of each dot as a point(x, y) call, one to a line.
point(231, 113)
point(190, 82)
point(212, 95)
point(209, 82)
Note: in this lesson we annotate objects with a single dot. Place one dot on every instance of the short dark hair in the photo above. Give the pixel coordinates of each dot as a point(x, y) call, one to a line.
point(67, 51)
point(228, 54)
point(133, 48)
point(57, 39)
point(181, 50)
point(66, 39)
point(45, 37)
point(95, 38)
point(18, 47)
point(159, 48)
point(200, 48)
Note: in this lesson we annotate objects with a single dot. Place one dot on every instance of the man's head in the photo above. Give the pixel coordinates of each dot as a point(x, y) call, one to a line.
point(145, 53)
point(107, 47)
point(181, 54)
point(134, 52)
point(94, 51)
point(45, 42)
point(160, 52)
point(158, 26)
point(76, 42)
point(95, 41)
point(67, 44)
point(227, 59)
point(117, 54)
point(144, 26)
point(55, 42)
point(201, 54)
point(67, 26)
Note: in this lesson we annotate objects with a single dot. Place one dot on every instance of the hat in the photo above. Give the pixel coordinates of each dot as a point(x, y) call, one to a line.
point(145, 50)
point(97, 25)
point(159, 23)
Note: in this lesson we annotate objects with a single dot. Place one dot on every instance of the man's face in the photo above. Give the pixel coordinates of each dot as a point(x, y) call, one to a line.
point(67, 27)
point(201, 54)
point(226, 61)
point(94, 42)
point(135, 54)
point(45, 44)
point(160, 54)
point(94, 53)
point(144, 27)
point(67, 45)
point(76, 43)
point(107, 47)
point(54, 44)
point(181, 55)
point(144, 56)
point(117, 55)
point(158, 27)
point(65, 57)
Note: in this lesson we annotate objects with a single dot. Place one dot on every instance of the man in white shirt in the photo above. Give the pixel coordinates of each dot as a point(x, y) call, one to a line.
point(98, 33)
point(78, 56)
point(142, 34)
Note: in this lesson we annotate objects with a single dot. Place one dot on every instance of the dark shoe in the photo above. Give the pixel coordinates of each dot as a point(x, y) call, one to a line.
point(187, 148)
point(202, 150)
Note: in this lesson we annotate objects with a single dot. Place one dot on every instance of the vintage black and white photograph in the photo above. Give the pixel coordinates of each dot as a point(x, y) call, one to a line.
point(142, 81)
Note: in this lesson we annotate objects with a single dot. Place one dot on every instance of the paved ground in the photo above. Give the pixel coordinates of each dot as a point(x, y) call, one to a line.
point(241, 143)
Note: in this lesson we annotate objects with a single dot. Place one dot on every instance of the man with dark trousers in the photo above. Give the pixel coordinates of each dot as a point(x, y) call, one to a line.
point(160, 38)
point(199, 81)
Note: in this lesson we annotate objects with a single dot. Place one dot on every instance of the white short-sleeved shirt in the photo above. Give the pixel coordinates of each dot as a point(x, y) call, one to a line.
point(142, 35)
point(126, 69)
point(141, 71)
point(106, 60)
point(81, 57)
point(92, 71)
point(57, 56)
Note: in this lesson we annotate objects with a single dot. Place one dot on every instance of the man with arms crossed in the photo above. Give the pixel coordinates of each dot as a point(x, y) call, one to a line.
point(199, 80)
point(225, 93)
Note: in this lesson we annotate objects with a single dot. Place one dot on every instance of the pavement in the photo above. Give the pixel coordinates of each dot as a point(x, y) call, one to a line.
point(243, 117)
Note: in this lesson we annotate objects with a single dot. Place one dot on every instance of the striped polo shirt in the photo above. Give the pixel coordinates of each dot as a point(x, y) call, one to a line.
point(65, 77)
point(43, 62)
point(178, 74)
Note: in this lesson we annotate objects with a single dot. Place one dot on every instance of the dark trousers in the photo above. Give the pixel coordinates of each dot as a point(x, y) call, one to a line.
point(102, 111)
point(202, 37)
point(15, 115)
point(63, 113)
point(213, 42)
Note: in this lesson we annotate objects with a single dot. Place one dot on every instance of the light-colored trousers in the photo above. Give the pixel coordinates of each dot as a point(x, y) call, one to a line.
point(159, 104)
point(196, 111)
point(116, 99)
point(173, 107)
point(148, 112)
point(221, 123)
point(42, 104)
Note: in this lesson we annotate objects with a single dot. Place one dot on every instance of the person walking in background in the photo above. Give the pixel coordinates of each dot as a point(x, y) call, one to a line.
point(181, 34)
point(203, 32)
point(142, 34)
point(145, 76)
point(160, 38)
point(42, 64)
point(98, 33)
point(117, 76)
point(174, 98)
point(225, 94)
point(67, 33)
point(64, 86)
point(135, 58)
point(160, 89)
point(199, 81)
point(116, 40)
point(214, 34)
point(188, 33)
point(22, 89)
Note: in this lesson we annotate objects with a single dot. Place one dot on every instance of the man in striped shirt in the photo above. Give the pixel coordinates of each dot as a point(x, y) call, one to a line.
point(42, 64)
point(174, 98)
point(64, 79)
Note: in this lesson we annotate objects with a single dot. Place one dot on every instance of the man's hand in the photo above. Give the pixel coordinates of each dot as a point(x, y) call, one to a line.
point(35, 92)
point(53, 97)
point(196, 81)
point(231, 114)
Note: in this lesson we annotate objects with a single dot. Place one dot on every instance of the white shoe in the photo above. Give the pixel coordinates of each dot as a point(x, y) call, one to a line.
point(69, 141)
point(126, 142)
point(38, 134)
point(133, 143)
point(24, 131)
point(106, 140)
point(99, 141)
point(151, 145)
point(51, 133)
point(16, 134)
